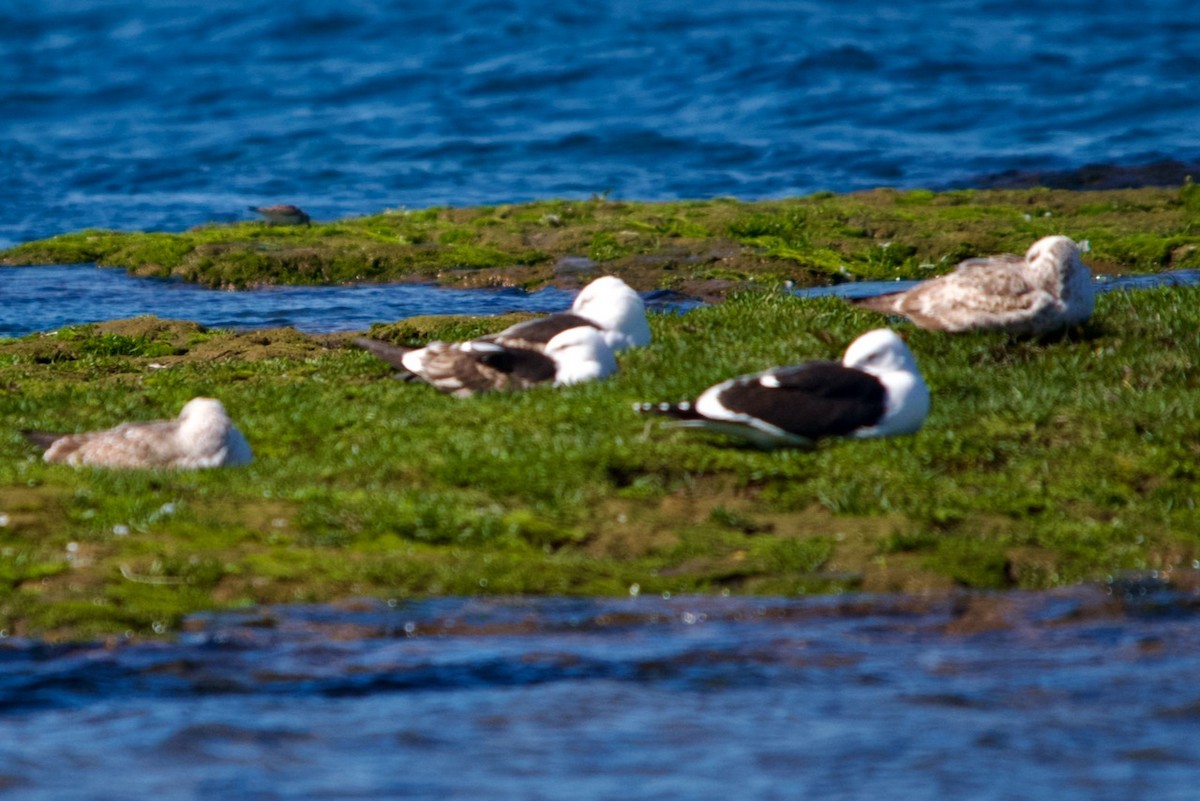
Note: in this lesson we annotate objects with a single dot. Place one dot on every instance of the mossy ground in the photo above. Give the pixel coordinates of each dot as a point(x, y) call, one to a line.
point(1042, 463)
point(688, 246)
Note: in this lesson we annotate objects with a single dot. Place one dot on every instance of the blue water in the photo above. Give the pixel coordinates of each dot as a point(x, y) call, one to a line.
point(43, 298)
point(1088, 694)
point(165, 115)
point(48, 297)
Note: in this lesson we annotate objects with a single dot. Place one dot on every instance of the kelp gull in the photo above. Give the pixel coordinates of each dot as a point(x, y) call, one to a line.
point(1048, 289)
point(876, 391)
point(468, 368)
point(607, 304)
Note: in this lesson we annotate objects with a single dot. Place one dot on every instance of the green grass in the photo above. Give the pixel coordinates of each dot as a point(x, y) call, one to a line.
point(1042, 463)
point(683, 245)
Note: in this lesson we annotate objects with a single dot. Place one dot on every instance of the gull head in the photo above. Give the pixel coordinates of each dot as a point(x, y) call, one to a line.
point(1057, 252)
point(614, 306)
point(880, 351)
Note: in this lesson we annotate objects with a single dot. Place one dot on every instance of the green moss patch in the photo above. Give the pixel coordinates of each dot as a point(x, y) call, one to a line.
point(682, 245)
point(1042, 463)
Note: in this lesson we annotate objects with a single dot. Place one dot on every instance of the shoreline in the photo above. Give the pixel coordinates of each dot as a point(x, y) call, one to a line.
point(1044, 463)
point(702, 249)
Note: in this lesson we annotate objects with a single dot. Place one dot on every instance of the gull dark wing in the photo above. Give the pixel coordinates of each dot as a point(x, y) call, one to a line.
point(525, 367)
point(536, 333)
point(469, 368)
point(818, 399)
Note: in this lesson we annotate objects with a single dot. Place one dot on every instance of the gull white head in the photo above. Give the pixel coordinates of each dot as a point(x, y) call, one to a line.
point(617, 309)
point(1054, 250)
point(883, 354)
point(1055, 264)
point(879, 351)
point(580, 354)
point(206, 431)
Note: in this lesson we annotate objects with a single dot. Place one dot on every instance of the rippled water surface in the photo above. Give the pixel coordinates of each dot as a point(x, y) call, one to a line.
point(46, 298)
point(140, 115)
point(1083, 694)
point(49, 297)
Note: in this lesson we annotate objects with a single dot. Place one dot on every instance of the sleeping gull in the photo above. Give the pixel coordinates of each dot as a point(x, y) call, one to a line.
point(202, 436)
point(876, 391)
point(1048, 289)
point(468, 368)
point(608, 305)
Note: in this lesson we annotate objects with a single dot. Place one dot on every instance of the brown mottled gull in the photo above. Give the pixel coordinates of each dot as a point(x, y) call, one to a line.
point(1048, 289)
point(468, 368)
point(202, 436)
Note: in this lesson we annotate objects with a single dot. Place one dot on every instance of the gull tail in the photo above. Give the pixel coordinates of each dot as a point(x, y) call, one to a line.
point(392, 354)
point(679, 411)
point(885, 304)
point(43, 439)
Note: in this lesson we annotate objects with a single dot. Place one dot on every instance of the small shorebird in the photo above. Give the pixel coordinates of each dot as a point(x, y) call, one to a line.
point(283, 214)
point(1048, 289)
point(468, 368)
point(876, 391)
point(202, 436)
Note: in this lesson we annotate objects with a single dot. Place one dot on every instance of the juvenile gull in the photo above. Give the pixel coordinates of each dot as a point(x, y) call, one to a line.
point(1048, 289)
point(202, 436)
point(463, 369)
point(282, 214)
point(876, 391)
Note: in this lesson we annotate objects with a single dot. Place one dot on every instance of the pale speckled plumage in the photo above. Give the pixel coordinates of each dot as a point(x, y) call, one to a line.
point(1046, 290)
point(202, 436)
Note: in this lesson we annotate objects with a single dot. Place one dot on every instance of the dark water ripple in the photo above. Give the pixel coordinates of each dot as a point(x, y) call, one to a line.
point(1079, 694)
point(158, 116)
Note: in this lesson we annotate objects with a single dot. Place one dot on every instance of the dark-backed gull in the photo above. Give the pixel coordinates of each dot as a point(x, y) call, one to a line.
point(202, 436)
point(468, 368)
point(282, 214)
point(1048, 289)
point(876, 391)
point(608, 304)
